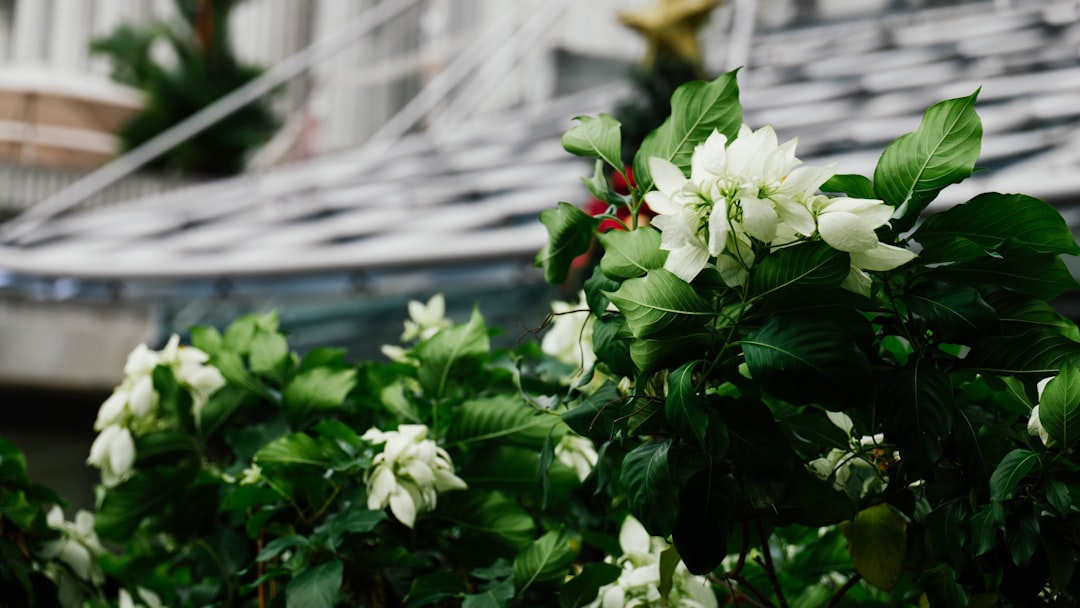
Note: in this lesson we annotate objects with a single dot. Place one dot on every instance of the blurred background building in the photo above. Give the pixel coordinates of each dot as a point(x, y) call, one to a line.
point(410, 146)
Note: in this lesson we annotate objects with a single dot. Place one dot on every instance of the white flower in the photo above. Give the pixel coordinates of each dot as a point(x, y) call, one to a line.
point(426, 320)
point(1034, 425)
point(855, 471)
point(570, 338)
point(409, 473)
point(251, 475)
point(577, 453)
point(750, 189)
point(78, 546)
point(114, 453)
point(149, 598)
point(639, 582)
point(189, 366)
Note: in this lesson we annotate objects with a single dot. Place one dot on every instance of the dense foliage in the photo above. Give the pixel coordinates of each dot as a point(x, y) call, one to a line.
point(785, 391)
point(184, 66)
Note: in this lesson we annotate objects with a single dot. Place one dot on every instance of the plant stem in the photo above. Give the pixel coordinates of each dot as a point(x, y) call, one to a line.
point(769, 567)
point(851, 582)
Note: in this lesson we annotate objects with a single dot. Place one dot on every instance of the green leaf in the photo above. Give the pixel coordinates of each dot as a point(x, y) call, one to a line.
point(173, 444)
point(206, 339)
point(985, 526)
point(269, 352)
point(492, 514)
point(596, 415)
point(941, 151)
point(599, 186)
point(611, 343)
point(546, 559)
point(802, 360)
point(684, 408)
point(431, 588)
point(1019, 313)
point(1017, 267)
point(317, 389)
point(1059, 406)
point(583, 588)
point(942, 589)
point(1013, 468)
point(315, 587)
point(952, 250)
point(595, 286)
point(599, 138)
point(877, 541)
point(807, 264)
point(354, 519)
point(855, 186)
point(487, 599)
point(570, 233)
point(652, 355)
point(660, 304)
point(547, 456)
point(631, 253)
point(915, 405)
point(1022, 535)
point(697, 109)
point(1037, 352)
point(955, 314)
point(451, 353)
point(279, 545)
point(708, 505)
point(505, 416)
point(651, 493)
point(991, 218)
point(300, 449)
point(125, 506)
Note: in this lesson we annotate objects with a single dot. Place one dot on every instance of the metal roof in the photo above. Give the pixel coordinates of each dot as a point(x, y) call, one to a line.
point(473, 196)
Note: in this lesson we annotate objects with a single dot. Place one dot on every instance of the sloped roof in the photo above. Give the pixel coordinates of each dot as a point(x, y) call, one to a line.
point(474, 195)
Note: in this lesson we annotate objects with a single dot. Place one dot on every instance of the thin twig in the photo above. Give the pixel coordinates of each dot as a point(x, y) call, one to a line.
point(770, 569)
point(851, 582)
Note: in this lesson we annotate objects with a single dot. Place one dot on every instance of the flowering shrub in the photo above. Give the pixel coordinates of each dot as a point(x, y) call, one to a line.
point(793, 362)
point(784, 391)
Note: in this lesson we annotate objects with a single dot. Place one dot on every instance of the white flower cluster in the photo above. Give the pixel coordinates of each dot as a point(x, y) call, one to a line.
point(639, 582)
point(409, 473)
point(752, 193)
point(425, 320)
point(132, 407)
point(577, 453)
point(1034, 425)
point(78, 547)
point(859, 471)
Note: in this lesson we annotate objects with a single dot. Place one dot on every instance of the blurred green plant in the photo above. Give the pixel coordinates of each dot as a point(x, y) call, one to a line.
point(183, 66)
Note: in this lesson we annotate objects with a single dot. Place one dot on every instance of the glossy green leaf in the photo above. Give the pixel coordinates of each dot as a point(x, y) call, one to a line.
point(683, 407)
point(697, 109)
point(708, 504)
point(803, 360)
point(547, 558)
point(599, 138)
point(596, 415)
point(504, 416)
point(300, 449)
point(1009, 472)
point(854, 186)
point(915, 405)
point(279, 545)
point(611, 343)
point(1017, 267)
point(547, 456)
point(317, 389)
point(498, 518)
point(1019, 313)
point(1038, 352)
point(991, 218)
point(985, 526)
point(942, 588)
point(595, 286)
point(599, 186)
point(1059, 406)
point(955, 314)
point(583, 588)
point(269, 352)
point(450, 353)
point(652, 355)
point(807, 264)
point(651, 493)
point(1022, 534)
point(941, 151)
point(315, 587)
point(631, 253)
point(877, 540)
point(431, 588)
point(660, 304)
point(570, 233)
point(124, 507)
point(952, 250)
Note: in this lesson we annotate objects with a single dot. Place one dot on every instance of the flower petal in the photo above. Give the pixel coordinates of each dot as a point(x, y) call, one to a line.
point(759, 218)
point(882, 257)
point(668, 177)
point(846, 231)
point(686, 262)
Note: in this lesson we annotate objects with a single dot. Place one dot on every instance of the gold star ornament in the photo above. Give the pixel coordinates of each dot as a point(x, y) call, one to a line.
point(671, 28)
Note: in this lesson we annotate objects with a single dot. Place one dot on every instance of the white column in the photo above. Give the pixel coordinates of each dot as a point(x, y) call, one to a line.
point(69, 37)
point(28, 45)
